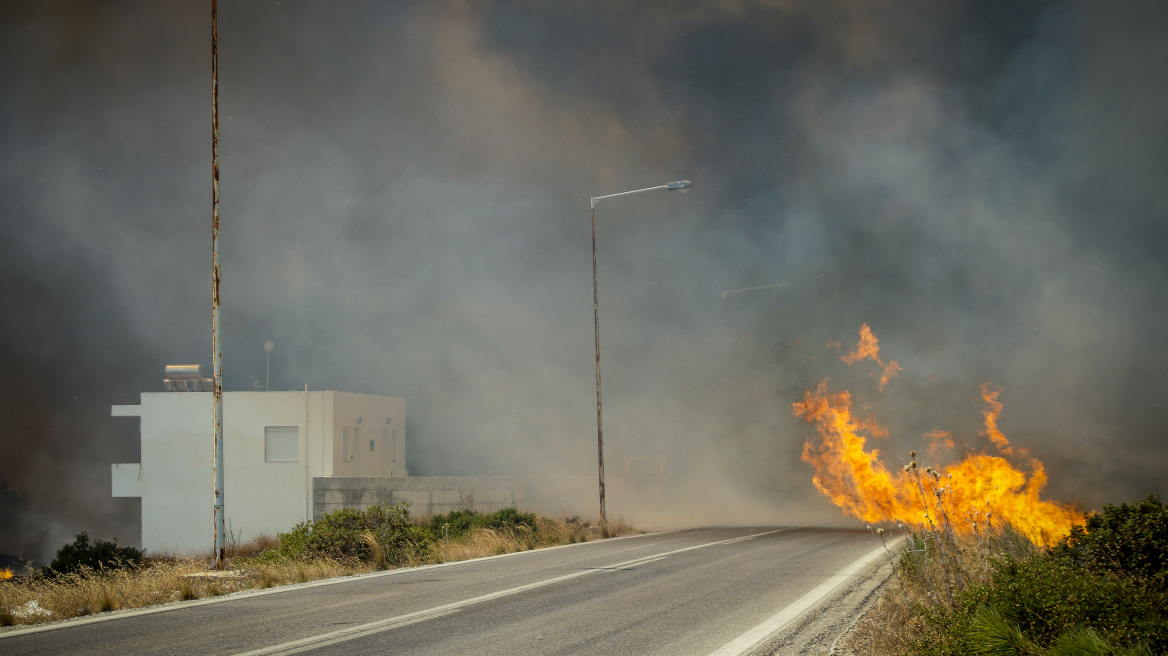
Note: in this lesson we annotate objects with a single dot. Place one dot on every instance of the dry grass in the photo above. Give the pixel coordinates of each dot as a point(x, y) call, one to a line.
point(166, 578)
point(924, 580)
point(252, 547)
point(161, 580)
point(935, 561)
point(548, 533)
point(888, 626)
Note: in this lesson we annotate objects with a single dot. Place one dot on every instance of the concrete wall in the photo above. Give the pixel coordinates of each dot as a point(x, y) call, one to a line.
point(174, 478)
point(554, 496)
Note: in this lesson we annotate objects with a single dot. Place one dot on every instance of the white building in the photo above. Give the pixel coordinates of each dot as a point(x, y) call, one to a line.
point(274, 444)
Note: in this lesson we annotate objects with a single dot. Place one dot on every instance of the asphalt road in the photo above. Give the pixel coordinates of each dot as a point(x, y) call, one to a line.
point(701, 591)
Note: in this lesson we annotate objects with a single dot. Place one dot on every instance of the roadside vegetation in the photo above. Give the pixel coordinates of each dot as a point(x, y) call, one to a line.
point(985, 589)
point(92, 577)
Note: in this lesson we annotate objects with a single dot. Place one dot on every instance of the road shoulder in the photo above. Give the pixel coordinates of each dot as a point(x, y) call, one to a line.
point(826, 628)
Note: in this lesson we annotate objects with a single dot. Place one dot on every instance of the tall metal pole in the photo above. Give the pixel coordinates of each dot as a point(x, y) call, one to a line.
point(596, 321)
point(680, 185)
point(220, 550)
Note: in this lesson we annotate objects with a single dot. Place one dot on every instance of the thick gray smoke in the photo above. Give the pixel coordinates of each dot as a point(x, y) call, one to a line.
point(405, 211)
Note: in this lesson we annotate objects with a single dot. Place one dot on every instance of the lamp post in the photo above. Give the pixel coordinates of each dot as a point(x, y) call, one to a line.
point(682, 186)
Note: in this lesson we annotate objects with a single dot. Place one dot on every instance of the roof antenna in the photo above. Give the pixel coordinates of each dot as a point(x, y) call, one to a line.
point(268, 346)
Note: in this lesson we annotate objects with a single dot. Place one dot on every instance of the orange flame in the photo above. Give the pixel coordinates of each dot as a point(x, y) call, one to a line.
point(991, 413)
point(978, 485)
point(869, 348)
point(5, 574)
point(938, 440)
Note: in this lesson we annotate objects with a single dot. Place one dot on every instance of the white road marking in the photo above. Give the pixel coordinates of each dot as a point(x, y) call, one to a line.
point(352, 633)
point(647, 561)
point(753, 637)
point(246, 594)
point(743, 538)
point(362, 630)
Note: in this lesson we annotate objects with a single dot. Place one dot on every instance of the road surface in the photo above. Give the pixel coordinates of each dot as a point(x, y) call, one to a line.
point(702, 591)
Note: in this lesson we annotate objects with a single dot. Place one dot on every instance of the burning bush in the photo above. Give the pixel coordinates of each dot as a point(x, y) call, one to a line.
point(1100, 590)
point(978, 486)
point(857, 481)
point(988, 566)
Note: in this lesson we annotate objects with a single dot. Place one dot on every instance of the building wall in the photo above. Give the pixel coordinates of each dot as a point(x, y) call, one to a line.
point(555, 496)
point(369, 434)
point(175, 478)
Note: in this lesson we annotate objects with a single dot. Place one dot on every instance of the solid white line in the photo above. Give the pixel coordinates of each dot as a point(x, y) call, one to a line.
point(247, 594)
point(352, 633)
point(362, 630)
point(753, 637)
point(647, 561)
point(744, 538)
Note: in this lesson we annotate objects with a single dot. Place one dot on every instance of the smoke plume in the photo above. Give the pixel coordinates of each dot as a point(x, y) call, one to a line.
point(405, 211)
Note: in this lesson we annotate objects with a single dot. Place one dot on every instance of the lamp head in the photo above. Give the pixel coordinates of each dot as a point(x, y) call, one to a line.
point(681, 185)
point(268, 346)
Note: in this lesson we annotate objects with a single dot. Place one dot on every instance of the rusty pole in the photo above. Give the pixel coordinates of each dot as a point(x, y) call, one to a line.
point(217, 351)
point(596, 322)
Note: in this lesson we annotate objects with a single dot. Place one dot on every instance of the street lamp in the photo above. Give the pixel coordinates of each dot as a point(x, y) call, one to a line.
point(682, 186)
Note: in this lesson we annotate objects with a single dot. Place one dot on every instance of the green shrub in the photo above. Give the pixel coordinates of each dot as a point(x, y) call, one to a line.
point(397, 534)
point(335, 535)
point(1100, 590)
point(991, 634)
point(456, 523)
point(338, 535)
point(99, 556)
point(265, 557)
point(1049, 594)
point(1042, 599)
point(1130, 540)
point(510, 518)
point(459, 522)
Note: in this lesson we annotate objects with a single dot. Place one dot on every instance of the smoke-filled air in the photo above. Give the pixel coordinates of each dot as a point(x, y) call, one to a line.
point(405, 211)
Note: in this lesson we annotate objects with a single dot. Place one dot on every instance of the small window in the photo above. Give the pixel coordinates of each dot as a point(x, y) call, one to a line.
point(281, 444)
point(370, 445)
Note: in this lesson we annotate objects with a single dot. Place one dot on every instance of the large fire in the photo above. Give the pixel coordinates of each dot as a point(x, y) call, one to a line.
point(978, 488)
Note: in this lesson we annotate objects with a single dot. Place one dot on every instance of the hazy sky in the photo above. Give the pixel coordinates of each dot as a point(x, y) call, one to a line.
point(405, 211)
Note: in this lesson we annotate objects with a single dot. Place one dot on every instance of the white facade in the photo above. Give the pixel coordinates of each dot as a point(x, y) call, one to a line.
point(274, 443)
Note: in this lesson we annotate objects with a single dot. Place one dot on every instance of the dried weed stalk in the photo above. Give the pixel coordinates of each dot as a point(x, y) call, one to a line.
point(934, 562)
